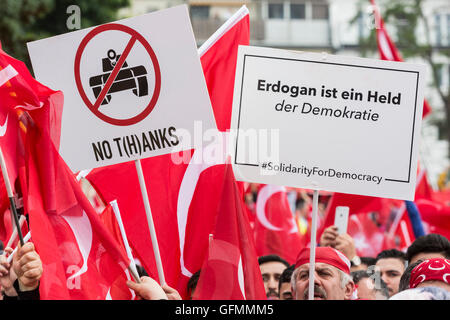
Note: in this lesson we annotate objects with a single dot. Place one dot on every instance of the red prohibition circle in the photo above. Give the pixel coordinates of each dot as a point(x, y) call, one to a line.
point(135, 36)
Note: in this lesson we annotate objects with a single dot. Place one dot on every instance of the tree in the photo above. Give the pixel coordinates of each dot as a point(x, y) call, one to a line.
point(28, 20)
point(405, 16)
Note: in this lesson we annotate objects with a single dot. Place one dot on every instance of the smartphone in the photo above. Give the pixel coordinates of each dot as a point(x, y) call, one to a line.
point(341, 219)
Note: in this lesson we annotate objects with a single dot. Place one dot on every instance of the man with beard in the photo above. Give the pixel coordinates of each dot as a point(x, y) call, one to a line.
point(272, 266)
point(391, 264)
point(284, 285)
point(332, 280)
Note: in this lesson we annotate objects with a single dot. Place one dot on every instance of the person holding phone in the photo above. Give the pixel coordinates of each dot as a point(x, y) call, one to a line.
point(342, 242)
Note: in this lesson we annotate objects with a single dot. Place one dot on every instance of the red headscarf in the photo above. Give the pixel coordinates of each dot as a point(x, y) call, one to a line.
point(432, 269)
point(326, 255)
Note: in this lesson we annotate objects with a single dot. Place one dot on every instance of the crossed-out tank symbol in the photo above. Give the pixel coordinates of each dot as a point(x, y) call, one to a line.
point(134, 78)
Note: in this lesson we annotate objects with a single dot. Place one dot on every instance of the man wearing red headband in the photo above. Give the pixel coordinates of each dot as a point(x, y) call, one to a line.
point(332, 280)
point(431, 272)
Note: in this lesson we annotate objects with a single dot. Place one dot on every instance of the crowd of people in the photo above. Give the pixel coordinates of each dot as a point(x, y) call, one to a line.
point(422, 273)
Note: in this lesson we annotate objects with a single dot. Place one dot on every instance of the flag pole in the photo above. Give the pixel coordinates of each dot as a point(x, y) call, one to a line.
point(14, 234)
point(25, 239)
point(312, 253)
point(132, 266)
point(11, 196)
point(151, 226)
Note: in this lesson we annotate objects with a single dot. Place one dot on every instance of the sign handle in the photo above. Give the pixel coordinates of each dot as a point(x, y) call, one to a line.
point(151, 226)
point(312, 252)
point(132, 267)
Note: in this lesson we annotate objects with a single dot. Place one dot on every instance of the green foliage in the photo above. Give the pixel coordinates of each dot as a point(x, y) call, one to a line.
point(366, 44)
point(404, 17)
point(27, 20)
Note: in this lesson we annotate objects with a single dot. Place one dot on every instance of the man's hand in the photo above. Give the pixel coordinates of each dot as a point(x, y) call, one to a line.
point(328, 237)
point(28, 266)
point(346, 245)
point(148, 289)
point(7, 274)
point(171, 293)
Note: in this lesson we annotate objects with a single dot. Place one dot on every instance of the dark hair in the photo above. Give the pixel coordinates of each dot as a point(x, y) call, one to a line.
point(270, 258)
point(368, 261)
point(357, 276)
point(300, 203)
point(286, 276)
point(192, 283)
point(430, 243)
point(392, 253)
point(404, 280)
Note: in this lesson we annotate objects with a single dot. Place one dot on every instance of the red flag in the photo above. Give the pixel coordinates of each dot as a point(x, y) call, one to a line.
point(163, 180)
point(423, 187)
point(218, 58)
point(401, 234)
point(75, 240)
point(184, 197)
point(231, 270)
point(388, 50)
point(88, 261)
point(366, 234)
point(119, 290)
point(435, 214)
point(80, 258)
point(357, 204)
point(276, 230)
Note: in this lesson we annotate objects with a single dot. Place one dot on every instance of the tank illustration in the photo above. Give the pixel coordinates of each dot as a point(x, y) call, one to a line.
point(134, 78)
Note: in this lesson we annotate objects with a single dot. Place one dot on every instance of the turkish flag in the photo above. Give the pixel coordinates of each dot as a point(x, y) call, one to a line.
point(119, 289)
point(80, 258)
point(357, 204)
point(442, 196)
point(436, 214)
point(231, 270)
point(423, 187)
point(366, 234)
point(276, 230)
point(218, 58)
point(163, 180)
point(388, 50)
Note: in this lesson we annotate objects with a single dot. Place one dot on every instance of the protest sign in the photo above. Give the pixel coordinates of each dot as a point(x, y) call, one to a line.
point(130, 87)
point(327, 122)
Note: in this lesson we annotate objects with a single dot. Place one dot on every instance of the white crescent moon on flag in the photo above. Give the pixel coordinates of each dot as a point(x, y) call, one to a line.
point(423, 278)
point(263, 195)
point(444, 277)
point(241, 279)
point(7, 74)
point(4, 127)
point(187, 188)
point(82, 230)
point(440, 268)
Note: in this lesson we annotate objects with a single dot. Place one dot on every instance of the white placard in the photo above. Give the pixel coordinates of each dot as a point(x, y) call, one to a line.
point(157, 92)
point(327, 122)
